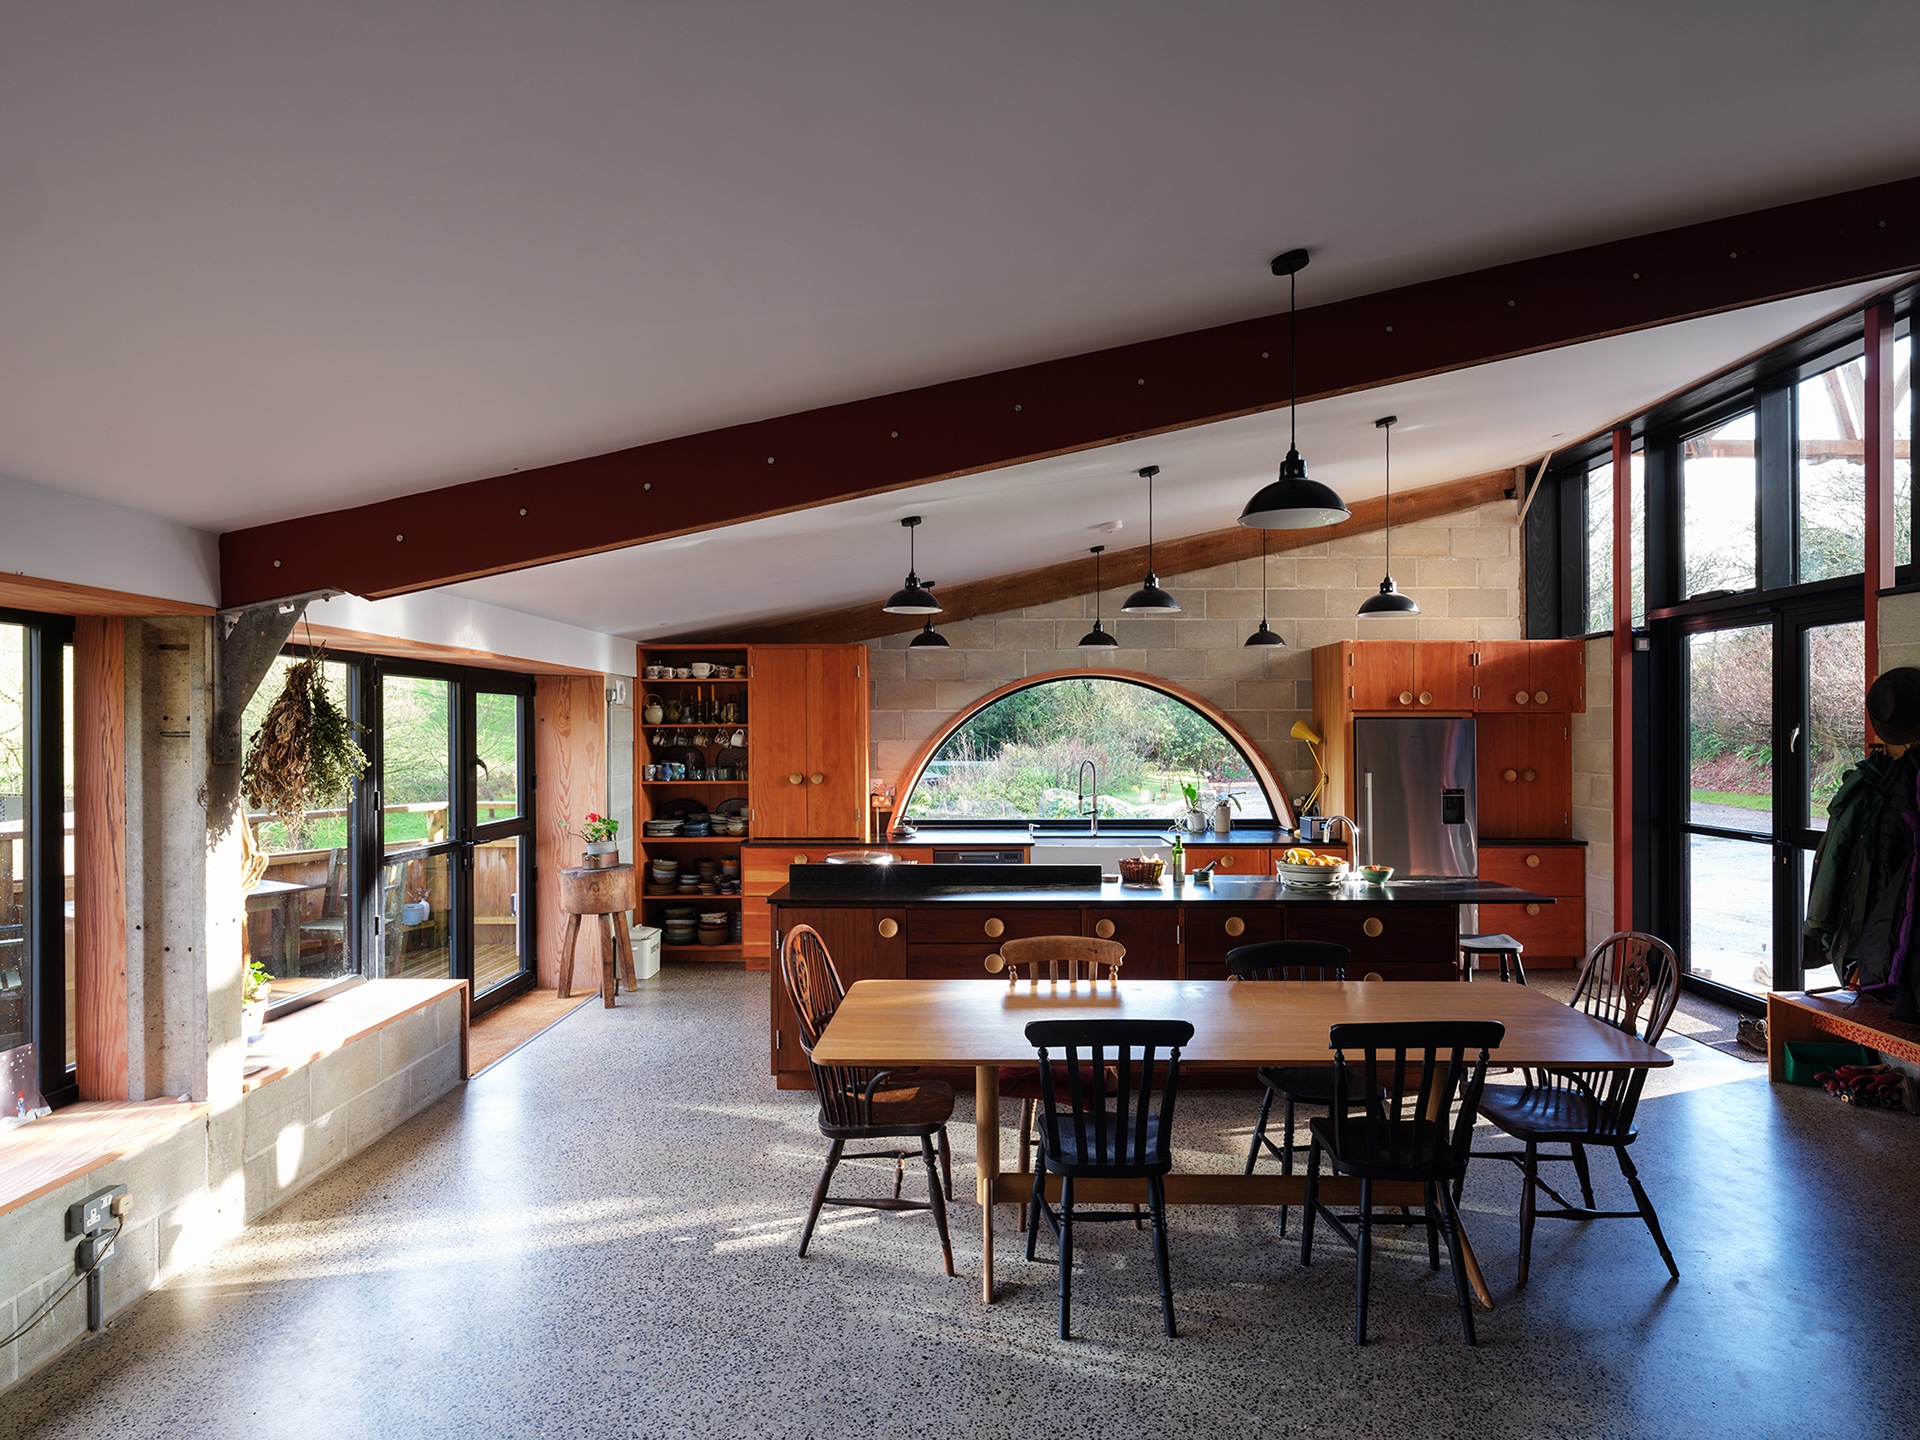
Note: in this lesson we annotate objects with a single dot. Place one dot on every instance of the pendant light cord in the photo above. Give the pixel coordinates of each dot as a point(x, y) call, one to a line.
point(1150, 569)
point(1389, 475)
point(1293, 360)
point(1263, 578)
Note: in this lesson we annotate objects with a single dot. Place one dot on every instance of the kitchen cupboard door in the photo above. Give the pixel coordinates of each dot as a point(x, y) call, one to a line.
point(1502, 679)
point(1496, 744)
point(1443, 675)
point(1543, 754)
point(1151, 934)
point(1380, 675)
point(863, 944)
point(777, 762)
point(1229, 859)
point(837, 727)
point(1211, 930)
point(1557, 675)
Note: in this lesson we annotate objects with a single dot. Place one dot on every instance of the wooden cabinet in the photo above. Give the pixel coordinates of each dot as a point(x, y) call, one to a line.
point(763, 870)
point(1529, 675)
point(810, 742)
point(1393, 941)
point(1212, 930)
point(1555, 935)
point(1524, 767)
point(1230, 859)
point(1151, 934)
point(1407, 677)
point(868, 944)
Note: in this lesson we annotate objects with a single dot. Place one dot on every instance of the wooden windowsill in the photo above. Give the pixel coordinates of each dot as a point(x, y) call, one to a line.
point(42, 1155)
point(336, 1022)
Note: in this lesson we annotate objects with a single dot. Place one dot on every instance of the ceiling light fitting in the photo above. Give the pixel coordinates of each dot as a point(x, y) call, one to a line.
point(913, 598)
point(1264, 636)
point(1293, 502)
point(1150, 599)
point(1389, 601)
point(928, 638)
point(1097, 636)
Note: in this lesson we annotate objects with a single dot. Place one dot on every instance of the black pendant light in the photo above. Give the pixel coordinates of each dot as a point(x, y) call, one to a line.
point(913, 598)
point(1150, 599)
point(1389, 601)
point(1293, 502)
point(1098, 635)
point(928, 639)
point(1264, 636)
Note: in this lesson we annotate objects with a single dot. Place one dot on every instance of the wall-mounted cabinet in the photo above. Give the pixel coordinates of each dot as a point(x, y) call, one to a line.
point(1530, 676)
point(810, 765)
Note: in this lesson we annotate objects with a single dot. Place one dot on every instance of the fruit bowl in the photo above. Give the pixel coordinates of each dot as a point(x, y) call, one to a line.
point(1326, 873)
point(1142, 870)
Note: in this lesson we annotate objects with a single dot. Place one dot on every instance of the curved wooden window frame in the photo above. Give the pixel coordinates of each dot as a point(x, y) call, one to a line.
point(1278, 800)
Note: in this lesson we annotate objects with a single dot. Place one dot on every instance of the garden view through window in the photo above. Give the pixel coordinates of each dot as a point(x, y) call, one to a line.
point(1019, 757)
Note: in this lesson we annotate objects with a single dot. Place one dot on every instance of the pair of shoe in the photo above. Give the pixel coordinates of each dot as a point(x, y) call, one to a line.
point(1752, 1033)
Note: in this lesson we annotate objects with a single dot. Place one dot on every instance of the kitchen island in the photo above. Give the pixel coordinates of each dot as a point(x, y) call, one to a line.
point(940, 922)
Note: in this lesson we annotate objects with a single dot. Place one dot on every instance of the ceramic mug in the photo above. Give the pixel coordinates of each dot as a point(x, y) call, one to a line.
point(701, 669)
point(685, 672)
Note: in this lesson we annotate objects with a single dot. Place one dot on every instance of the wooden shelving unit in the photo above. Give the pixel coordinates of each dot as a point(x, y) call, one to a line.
point(658, 744)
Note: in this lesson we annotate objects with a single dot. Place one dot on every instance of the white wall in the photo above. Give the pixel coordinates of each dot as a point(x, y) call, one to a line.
point(437, 618)
point(51, 535)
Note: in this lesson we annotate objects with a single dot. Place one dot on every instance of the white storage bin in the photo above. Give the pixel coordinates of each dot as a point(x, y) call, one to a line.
point(646, 951)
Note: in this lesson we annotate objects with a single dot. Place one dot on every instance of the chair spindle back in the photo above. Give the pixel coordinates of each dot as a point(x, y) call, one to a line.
point(814, 987)
point(1289, 960)
point(1630, 981)
point(1409, 1079)
point(1105, 1072)
point(1058, 957)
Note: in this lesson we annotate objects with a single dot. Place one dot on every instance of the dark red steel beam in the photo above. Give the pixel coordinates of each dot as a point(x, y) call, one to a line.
point(960, 427)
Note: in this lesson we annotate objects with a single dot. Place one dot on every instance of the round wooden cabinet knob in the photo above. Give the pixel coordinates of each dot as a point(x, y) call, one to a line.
point(1533, 862)
point(1104, 929)
point(995, 928)
point(818, 778)
point(1509, 775)
point(1533, 909)
point(1406, 697)
point(795, 778)
point(1225, 862)
point(1426, 697)
point(800, 859)
point(995, 963)
point(1373, 927)
point(1539, 697)
point(1519, 697)
point(1530, 776)
point(1236, 926)
point(888, 928)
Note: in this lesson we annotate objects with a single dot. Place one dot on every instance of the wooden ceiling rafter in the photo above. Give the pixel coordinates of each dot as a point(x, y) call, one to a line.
point(1082, 402)
point(1003, 593)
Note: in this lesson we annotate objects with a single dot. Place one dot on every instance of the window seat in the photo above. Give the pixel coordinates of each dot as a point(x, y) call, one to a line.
point(338, 1021)
point(41, 1156)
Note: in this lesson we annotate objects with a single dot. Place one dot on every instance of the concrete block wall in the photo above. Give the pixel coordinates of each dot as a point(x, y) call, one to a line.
point(199, 1186)
point(1463, 569)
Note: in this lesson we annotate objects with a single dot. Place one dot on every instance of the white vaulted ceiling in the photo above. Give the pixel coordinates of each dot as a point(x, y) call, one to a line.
point(265, 257)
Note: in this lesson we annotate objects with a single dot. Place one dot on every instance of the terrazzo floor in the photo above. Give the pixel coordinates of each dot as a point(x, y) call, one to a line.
point(596, 1237)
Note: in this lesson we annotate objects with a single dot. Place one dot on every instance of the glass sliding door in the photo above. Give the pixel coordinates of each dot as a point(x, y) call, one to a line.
point(455, 851)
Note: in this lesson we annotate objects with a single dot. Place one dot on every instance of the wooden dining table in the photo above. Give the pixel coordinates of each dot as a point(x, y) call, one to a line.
point(1236, 1025)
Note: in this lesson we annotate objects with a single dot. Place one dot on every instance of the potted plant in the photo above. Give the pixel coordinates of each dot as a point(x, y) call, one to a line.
point(602, 841)
point(1196, 817)
point(1225, 802)
point(254, 992)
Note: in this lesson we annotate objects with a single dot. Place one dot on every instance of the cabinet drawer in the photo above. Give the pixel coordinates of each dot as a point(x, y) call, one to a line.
point(961, 924)
point(1230, 859)
point(1213, 930)
point(951, 962)
point(765, 866)
point(1550, 932)
point(1543, 869)
point(1150, 933)
point(1382, 936)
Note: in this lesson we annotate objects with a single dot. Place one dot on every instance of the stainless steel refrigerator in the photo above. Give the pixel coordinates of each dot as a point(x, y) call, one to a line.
point(1413, 791)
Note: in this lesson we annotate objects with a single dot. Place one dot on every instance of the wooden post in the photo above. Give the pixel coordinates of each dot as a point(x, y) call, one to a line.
point(100, 857)
point(1622, 678)
point(1877, 423)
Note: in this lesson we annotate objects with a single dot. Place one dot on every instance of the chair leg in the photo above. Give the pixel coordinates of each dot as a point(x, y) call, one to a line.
point(1580, 1169)
point(1451, 1220)
point(1366, 1262)
point(1519, 970)
point(946, 1162)
point(1286, 1158)
point(1530, 1174)
point(1035, 1205)
point(1310, 1206)
point(939, 1199)
point(1157, 1201)
point(1433, 1226)
point(1026, 1149)
point(820, 1194)
point(1259, 1131)
point(1628, 1169)
point(1066, 1254)
point(899, 1174)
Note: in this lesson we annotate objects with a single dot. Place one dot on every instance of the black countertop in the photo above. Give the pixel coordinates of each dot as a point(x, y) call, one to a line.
point(856, 886)
point(1011, 835)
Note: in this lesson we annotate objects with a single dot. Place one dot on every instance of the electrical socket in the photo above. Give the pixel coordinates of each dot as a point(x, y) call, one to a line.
point(90, 1216)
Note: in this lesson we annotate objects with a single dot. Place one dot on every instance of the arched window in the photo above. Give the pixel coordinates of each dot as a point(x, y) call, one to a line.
point(1018, 756)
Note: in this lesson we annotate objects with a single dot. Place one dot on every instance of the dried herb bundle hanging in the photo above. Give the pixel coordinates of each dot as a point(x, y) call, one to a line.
point(304, 754)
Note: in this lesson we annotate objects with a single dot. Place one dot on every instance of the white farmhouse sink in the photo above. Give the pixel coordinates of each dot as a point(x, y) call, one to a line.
point(1106, 851)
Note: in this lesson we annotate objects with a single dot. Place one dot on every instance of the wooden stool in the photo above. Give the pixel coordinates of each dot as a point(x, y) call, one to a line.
point(1472, 947)
point(609, 894)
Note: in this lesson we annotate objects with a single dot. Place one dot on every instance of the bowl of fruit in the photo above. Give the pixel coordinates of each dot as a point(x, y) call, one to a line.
point(1302, 867)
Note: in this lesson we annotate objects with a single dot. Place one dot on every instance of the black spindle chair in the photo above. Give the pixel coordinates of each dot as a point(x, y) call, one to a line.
point(858, 1103)
point(1631, 981)
point(1415, 1089)
point(1302, 1084)
point(1104, 1120)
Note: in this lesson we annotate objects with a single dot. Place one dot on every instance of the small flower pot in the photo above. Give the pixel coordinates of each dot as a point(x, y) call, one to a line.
point(253, 1020)
point(601, 855)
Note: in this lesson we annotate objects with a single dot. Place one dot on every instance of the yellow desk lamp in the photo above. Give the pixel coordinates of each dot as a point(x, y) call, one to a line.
point(1304, 732)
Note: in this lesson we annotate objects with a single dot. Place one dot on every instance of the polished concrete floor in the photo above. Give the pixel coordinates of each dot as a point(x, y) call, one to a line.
point(596, 1237)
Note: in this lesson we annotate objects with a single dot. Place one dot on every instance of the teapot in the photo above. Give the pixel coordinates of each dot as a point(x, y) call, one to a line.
point(653, 714)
